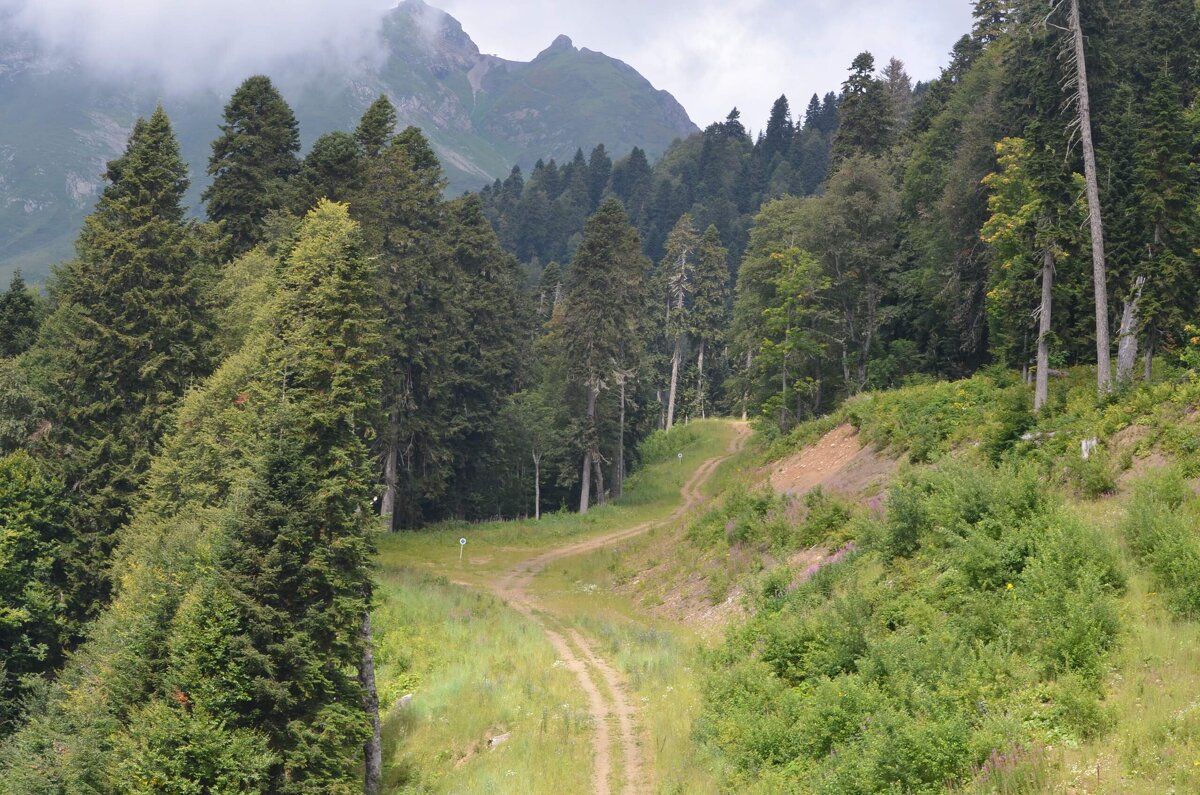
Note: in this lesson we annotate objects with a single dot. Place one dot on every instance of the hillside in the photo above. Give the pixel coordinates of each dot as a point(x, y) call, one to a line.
point(904, 596)
point(59, 123)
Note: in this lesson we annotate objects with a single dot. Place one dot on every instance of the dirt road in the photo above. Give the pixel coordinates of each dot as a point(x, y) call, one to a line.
point(617, 737)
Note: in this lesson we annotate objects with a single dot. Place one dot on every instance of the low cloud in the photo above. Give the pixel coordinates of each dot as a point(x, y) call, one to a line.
point(711, 54)
point(186, 45)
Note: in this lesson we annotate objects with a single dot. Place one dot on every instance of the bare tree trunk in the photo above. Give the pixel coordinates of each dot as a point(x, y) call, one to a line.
point(387, 503)
point(746, 391)
point(537, 486)
point(619, 469)
point(1099, 269)
point(1127, 343)
point(1041, 391)
point(783, 394)
point(700, 379)
point(599, 470)
point(1148, 366)
point(372, 748)
point(674, 382)
point(586, 479)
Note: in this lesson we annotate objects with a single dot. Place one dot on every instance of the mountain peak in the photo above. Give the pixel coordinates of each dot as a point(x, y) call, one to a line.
point(561, 44)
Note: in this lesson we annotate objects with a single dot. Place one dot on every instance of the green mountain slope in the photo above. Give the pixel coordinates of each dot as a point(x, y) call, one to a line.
point(59, 124)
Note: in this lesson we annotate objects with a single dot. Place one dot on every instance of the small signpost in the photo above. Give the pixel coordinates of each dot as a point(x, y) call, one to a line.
point(462, 543)
point(680, 457)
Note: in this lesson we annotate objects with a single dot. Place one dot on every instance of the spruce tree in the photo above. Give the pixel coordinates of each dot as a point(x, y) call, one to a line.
point(130, 333)
point(867, 122)
point(18, 318)
point(600, 326)
point(252, 160)
point(297, 551)
point(376, 127)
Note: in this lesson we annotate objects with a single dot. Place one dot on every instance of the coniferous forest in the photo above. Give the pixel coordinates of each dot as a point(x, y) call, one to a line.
point(209, 425)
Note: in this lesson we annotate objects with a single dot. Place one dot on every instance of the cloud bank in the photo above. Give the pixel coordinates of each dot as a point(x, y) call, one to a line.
point(711, 54)
point(186, 45)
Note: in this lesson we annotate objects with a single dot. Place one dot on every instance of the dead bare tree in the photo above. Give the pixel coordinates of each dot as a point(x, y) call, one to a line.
point(1041, 390)
point(1127, 345)
point(1076, 87)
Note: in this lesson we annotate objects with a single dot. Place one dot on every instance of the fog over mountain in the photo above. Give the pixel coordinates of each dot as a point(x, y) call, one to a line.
point(73, 79)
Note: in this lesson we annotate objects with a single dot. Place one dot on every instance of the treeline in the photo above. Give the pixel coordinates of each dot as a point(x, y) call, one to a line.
point(720, 177)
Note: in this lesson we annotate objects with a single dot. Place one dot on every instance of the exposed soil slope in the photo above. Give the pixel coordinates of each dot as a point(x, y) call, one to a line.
point(838, 463)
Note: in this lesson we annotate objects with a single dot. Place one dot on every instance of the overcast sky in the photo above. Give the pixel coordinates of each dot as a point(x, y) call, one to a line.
point(711, 54)
point(715, 54)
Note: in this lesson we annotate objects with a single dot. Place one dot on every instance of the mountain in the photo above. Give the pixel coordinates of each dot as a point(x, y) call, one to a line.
point(60, 123)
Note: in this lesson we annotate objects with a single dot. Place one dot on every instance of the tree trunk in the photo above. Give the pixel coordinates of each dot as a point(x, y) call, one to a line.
point(372, 748)
point(1041, 391)
point(599, 470)
point(586, 480)
point(783, 395)
point(537, 486)
point(1127, 343)
point(1099, 269)
point(619, 469)
point(387, 504)
point(674, 382)
point(1148, 366)
point(700, 380)
point(746, 391)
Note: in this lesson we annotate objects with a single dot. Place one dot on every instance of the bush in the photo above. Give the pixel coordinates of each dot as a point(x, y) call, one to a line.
point(977, 618)
point(1161, 530)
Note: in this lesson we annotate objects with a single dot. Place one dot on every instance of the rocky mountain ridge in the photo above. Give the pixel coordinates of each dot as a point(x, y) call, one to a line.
point(60, 124)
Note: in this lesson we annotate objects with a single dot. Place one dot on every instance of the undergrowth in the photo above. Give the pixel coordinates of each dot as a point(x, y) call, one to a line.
point(974, 623)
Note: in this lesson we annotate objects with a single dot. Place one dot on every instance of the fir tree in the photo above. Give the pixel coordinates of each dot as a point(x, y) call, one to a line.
point(297, 551)
point(376, 127)
point(866, 120)
point(18, 318)
point(251, 162)
point(331, 170)
point(130, 334)
point(600, 325)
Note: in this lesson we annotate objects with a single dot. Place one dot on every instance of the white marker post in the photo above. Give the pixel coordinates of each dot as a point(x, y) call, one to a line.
point(680, 457)
point(462, 543)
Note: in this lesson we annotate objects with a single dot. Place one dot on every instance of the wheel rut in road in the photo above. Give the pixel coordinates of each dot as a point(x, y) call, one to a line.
point(611, 705)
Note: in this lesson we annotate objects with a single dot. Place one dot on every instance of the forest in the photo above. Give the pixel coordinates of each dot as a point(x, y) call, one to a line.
point(208, 424)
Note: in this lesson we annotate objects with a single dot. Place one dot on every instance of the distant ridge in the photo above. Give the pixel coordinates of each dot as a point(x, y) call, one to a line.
point(59, 125)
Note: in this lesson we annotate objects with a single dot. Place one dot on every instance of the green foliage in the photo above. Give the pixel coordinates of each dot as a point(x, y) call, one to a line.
point(251, 162)
point(1160, 528)
point(19, 318)
point(181, 750)
point(33, 625)
point(131, 331)
point(905, 674)
point(227, 658)
point(662, 446)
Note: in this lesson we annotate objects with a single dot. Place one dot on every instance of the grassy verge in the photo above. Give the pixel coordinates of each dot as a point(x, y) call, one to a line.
point(477, 670)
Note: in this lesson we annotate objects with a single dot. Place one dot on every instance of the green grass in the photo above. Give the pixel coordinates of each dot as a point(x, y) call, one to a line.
point(477, 667)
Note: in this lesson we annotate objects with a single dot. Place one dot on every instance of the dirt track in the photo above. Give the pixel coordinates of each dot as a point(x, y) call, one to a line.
point(613, 710)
